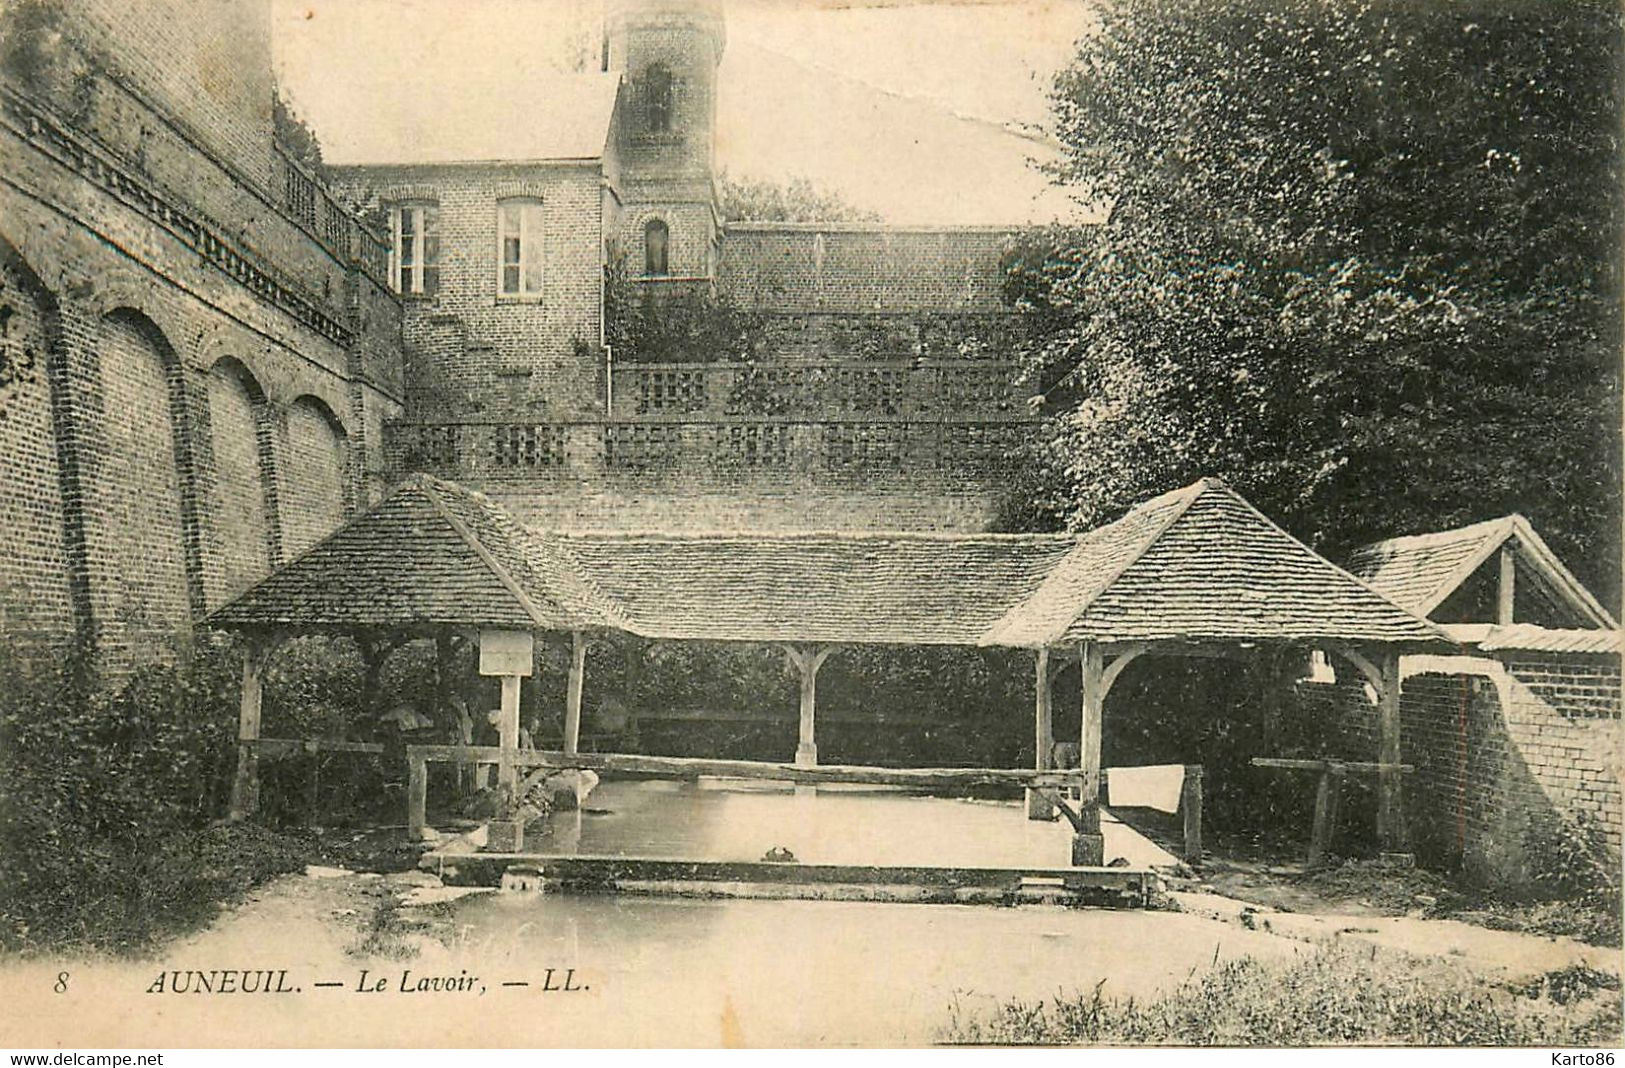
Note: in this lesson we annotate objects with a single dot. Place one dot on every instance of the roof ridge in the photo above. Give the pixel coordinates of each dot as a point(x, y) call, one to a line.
point(807, 535)
point(1345, 572)
point(484, 553)
point(1434, 537)
point(1084, 543)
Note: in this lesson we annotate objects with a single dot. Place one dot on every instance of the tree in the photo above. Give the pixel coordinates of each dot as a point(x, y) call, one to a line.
point(796, 200)
point(1362, 260)
point(295, 137)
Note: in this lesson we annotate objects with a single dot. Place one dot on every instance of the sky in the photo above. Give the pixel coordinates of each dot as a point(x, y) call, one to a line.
point(925, 112)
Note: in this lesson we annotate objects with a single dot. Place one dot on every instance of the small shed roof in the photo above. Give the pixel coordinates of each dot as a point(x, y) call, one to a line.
point(1530, 638)
point(1422, 570)
point(432, 553)
point(1201, 563)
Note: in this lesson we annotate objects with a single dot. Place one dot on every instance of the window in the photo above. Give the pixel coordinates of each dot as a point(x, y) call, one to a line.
point(656, 248)
point(414, 259)
point(519, 248)
point(657, 100)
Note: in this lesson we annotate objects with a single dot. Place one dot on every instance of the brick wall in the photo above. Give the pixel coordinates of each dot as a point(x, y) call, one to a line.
point(471, 352)
point(313, 476)
point(238, 525)
point(1496, 756)
point(808, 267)
point(36, 611)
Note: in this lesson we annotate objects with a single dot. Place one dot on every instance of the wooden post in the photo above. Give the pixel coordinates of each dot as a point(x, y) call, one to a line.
point(1391, 830)
point(572, 700)
point(245, 789)
point(1190, 803)
point(1328, 795)
point(508, 732)
point(1507, 598)
point(1088, 847)
point(1267, 680)
point(417, 796)
point(1040, 805)
point(807, 663)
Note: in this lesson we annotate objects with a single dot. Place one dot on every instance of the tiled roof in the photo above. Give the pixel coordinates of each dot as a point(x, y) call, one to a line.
point(1421, 570)
point(1202, 563)
point(1199, 563)
point(1526, 637)
point(431, 553)
point(904, 588)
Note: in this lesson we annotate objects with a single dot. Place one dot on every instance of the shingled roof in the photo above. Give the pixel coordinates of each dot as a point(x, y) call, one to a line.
point(1201, 563)
point(920, 589)
point(1420, 571)
point(1196, 564)
point(432, 553)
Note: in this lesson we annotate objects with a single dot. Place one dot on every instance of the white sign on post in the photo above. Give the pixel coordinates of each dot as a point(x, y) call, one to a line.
point(506, 652)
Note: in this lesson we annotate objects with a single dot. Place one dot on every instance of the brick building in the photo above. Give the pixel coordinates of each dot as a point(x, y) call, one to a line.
point(198, 345)
point(875, 388)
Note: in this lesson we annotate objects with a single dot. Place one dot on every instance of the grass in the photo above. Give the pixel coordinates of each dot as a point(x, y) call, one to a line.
point(130, 898)
point(1333, 996)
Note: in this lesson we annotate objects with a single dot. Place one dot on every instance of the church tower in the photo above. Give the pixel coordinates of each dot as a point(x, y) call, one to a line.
point(668, 52)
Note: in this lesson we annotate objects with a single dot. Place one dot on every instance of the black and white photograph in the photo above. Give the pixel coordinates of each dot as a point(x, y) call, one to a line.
point(803, 524)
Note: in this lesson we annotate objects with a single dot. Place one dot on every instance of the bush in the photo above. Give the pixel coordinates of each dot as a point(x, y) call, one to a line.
point(1334, 996)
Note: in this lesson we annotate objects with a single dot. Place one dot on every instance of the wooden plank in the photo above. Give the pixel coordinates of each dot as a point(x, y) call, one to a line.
point(1132, 885)
point(245, 788)
point(1360, 766)
point(688, 767)
point(281, 747)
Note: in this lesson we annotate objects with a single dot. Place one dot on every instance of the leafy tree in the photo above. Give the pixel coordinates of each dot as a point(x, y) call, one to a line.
point(1362, 260)
point(796, 200)
point(295, 136)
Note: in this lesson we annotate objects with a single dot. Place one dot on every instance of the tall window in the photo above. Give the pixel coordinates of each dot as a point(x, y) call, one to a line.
point(656, 248)
point(414, 262)
point(519, 248)
point(657, 99)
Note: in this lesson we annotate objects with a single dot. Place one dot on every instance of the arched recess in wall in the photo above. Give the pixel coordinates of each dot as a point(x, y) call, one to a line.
point(312, 497)
point(242, 512)
point(139, 484)
point(656, 248)
point(37, 603)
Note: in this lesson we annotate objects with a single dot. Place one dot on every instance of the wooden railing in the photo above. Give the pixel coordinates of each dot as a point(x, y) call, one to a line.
point(418, 758)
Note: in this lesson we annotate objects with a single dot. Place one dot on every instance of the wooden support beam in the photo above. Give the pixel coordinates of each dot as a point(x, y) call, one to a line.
point(1507, 591)
point(1190, 806)
point(1121, 657)
point(417, 794)
point(1391, 829)
point(245, 789)
point(508, 732)
point(572, 699)
point(1039, 804)
point(1088, 847)
point(688, 768)
point(1363, 766)
point(807, 662)
point(1328, 795)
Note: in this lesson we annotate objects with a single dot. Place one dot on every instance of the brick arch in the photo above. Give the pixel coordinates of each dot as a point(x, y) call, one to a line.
point(43, 606)
point(244, 539)
point(313, 494)
point(143, 484)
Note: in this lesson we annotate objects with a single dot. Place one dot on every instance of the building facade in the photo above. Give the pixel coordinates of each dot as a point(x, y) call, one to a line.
point(563, 286)
point(200, 348)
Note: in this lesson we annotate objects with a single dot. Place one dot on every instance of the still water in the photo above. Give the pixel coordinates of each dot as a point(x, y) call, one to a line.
point(738, 820)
